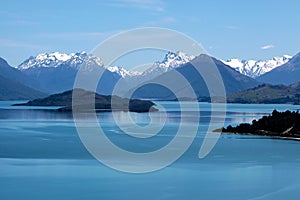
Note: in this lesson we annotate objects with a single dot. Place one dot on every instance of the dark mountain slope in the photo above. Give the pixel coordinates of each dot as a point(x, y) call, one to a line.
point(12, 84)
point(233, 80)
point(286, 74)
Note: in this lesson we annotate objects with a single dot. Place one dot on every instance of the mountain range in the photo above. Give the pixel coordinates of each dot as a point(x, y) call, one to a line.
point(233, 80)
point(251, 68)
point(56, 72)
point(256, 68)
point(51, 68)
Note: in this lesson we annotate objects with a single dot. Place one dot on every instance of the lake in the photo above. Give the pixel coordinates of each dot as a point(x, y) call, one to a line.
point(42, 157)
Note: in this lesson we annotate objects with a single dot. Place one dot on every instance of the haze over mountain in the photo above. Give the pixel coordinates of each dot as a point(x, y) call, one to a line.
point(14, 84)
point(285, 74)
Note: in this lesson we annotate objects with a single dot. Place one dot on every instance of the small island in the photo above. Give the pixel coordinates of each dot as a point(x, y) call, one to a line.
point(102, 102)
point(278, 124)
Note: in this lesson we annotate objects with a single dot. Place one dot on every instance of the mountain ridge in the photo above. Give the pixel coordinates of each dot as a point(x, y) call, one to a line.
point(55, 72)
point(256, 68)
point(14, 85)
point(287, 73)
point(251, 68)
point(233, 80)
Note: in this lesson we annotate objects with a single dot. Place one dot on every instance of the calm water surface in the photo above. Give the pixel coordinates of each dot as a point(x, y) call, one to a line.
point(42, 157)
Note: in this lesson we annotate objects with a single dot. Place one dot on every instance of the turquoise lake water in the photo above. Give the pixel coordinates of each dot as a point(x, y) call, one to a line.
point(42, 157)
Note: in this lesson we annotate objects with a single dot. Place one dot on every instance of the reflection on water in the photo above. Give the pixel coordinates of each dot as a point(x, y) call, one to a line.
point(31, 114)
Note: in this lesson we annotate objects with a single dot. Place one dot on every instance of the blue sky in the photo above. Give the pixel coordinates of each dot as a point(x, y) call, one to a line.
point(257, 29)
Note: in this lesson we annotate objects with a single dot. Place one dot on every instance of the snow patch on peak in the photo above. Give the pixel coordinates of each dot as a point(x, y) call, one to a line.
point(123, 72)
point(61, 56)
point(175, 59)
point(55, 56)
point(287, 56)
point(171, 60)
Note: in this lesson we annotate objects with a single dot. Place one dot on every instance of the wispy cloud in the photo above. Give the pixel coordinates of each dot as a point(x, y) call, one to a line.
point(153, 5)
point(269, 46)
point(76, 35)
point(19, 22)
point(162, 21)
point(18, 44)
point(231, 27)
point(169, 20)
point(15, 18)
point(25, 22)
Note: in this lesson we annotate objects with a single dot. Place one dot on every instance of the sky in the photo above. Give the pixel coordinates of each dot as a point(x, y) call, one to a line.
point(256, 29)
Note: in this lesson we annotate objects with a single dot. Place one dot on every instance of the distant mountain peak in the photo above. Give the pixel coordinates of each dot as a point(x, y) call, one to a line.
point(55, 59)
point(256, 68)
point(3, 62)
point(174, 59)
point(171, 60)
point(123, 72)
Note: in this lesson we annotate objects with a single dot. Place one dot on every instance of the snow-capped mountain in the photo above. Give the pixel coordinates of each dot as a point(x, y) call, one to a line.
point(73, 60)
point(56, 59)
point(286, 74)
point(232, 80)
point(253, 68)
point(56, 72)
point(123, 72)
point(171, 60)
